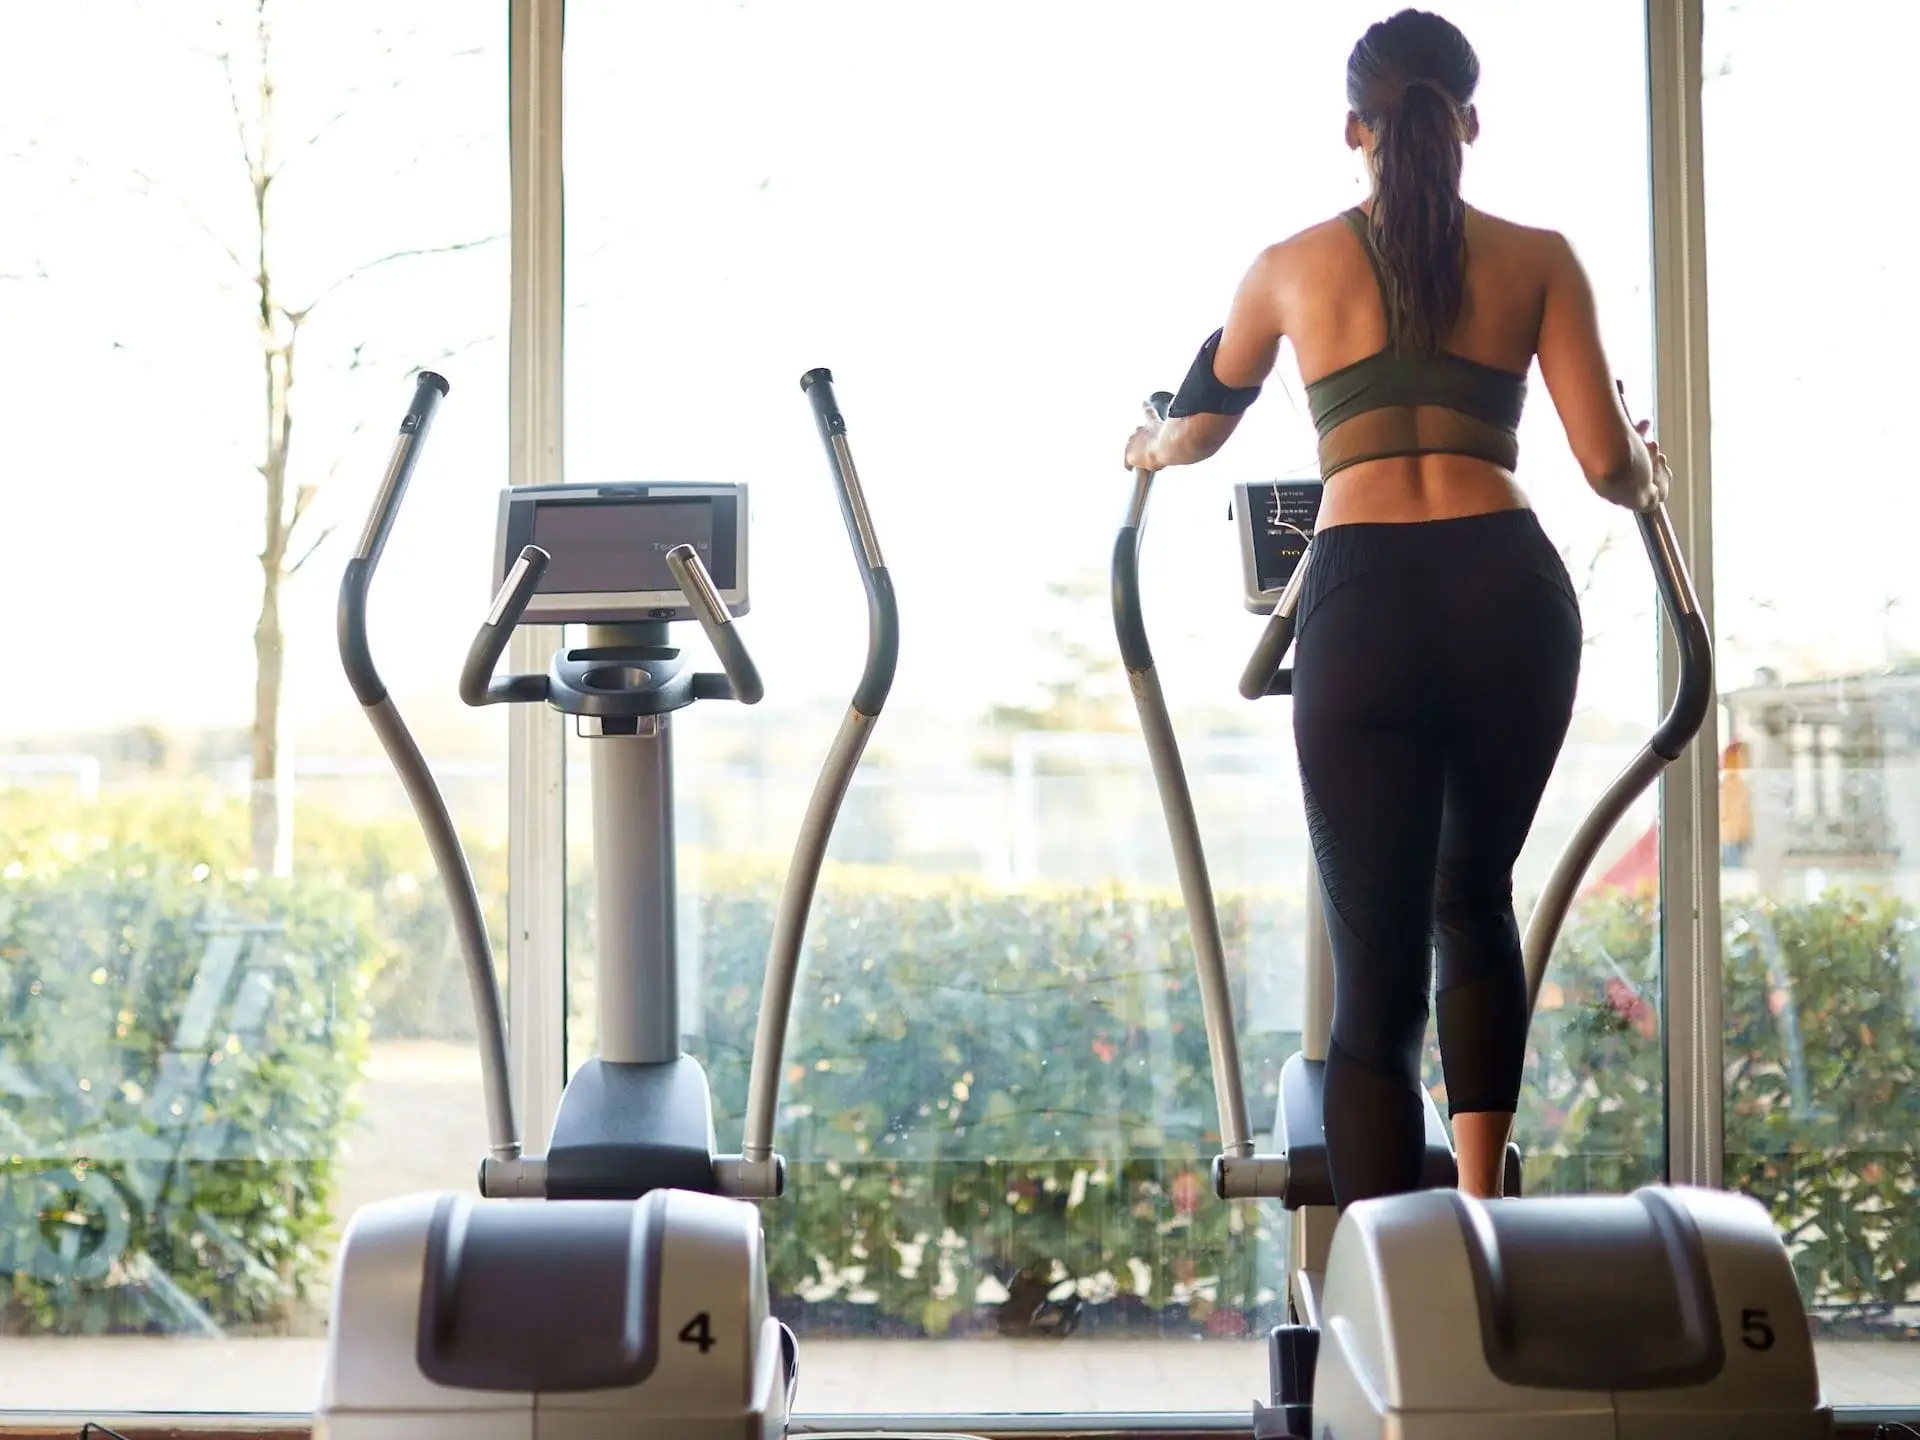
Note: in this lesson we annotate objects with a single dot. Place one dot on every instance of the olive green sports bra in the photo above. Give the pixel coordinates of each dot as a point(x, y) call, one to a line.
point(1397, 402)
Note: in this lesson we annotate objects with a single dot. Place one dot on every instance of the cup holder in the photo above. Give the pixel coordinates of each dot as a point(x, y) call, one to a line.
point(615, 678)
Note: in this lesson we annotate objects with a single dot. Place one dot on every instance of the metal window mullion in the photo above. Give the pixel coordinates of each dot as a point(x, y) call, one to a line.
point(1689, 793)
point(536, 737)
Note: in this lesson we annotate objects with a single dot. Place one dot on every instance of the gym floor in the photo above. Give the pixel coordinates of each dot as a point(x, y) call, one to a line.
point(840, 1377)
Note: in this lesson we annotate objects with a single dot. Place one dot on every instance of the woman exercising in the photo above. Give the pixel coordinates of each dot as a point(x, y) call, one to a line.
point(1438, 632)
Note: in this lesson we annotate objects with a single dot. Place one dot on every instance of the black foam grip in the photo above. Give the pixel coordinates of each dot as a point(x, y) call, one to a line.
point(818, 385)
point(1129, 623)
point(883, 644)
point(356, 655)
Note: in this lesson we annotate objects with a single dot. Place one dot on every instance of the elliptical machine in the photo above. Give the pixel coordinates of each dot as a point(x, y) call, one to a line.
point(642, 1303)
point(1672, 1311)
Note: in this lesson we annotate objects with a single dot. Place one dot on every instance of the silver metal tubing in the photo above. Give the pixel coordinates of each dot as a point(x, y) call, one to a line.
point(1203, 921)
point(790, 930)
point(1692, 698)
point(633, 852)
point(1264, 664)
point(690, 574)
point(1183, 825)
point(1556, 899)
point(1250, 1177)
point(524, 1178)
point(468, 922)
point(757, 1171)
point(854, 497)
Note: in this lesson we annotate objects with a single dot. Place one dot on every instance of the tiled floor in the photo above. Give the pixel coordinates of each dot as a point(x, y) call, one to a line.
point(100, 1376)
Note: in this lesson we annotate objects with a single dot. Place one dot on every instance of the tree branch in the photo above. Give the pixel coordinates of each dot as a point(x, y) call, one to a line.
point(354, 97)
point(145, 184)
point(388, 259)
point(311, 550)
point(303, 499)
point(225, 57)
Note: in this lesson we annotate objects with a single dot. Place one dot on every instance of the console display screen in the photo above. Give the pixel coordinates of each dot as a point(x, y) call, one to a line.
point(621, 546)
point(1280, 524)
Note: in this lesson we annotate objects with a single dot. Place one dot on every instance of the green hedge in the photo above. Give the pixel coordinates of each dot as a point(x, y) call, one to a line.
point(998, 1103)
point(177, 1056)
point(954, 1045)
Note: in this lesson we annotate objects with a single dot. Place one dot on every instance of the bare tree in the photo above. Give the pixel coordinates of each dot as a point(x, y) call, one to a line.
point(249, 65)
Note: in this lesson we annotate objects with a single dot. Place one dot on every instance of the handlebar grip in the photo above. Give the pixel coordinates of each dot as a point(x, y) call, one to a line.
point(356, 651)
point(1263, 666)
point(510, 602)
point(697, 585)
point(1693, 695)
point(818, 385)
point(429, 389)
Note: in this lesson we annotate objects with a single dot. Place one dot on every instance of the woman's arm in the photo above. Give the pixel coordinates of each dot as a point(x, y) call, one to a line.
point(1618, 463)
point(1249, 345)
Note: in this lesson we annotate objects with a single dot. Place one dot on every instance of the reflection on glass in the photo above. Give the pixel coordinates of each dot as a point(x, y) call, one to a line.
point(1820, 674)
point(997, 1104)
point(231, 1010)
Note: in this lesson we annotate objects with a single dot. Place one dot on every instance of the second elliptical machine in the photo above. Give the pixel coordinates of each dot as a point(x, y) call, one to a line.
point(1433, 1316)
point(641, 1304)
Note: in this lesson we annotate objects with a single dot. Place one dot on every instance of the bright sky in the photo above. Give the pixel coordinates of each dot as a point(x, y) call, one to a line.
point(1000, 224)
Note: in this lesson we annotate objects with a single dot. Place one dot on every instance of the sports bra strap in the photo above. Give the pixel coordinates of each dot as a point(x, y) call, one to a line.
point(1357, 222)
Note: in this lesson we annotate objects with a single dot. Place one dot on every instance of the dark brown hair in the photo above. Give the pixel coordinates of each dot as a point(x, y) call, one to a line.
point(1410, 80)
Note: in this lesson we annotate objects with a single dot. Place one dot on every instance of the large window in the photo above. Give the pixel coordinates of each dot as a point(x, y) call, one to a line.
point(231, 1009)
point(230, 1006)
point(1002, 226)
point(1818, 612)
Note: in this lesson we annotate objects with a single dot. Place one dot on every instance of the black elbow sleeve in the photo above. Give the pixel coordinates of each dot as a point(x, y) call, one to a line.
point(1201, 393)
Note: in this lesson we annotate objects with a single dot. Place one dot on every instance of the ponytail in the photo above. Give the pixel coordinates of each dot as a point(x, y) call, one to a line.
point(1419, 221)
point(1410, 80)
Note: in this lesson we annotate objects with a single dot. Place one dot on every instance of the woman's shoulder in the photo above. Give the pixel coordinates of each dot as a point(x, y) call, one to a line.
point(1513, 232)
point(1308, 243)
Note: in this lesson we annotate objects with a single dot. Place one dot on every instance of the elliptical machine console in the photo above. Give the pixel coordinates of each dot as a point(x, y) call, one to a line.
point(1668, 1312)
point(640, 1306)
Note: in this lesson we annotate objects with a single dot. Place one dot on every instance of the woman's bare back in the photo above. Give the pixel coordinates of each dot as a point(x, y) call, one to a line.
point(1330, 306)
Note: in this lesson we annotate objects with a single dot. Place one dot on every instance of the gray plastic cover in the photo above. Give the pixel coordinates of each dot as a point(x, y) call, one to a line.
point(1599, 1293)
point(543, 1297)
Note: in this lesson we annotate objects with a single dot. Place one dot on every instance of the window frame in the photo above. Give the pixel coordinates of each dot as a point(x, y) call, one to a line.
point(1690, 961)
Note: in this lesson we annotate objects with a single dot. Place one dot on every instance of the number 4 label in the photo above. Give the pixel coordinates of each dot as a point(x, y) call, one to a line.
point(699, 1331)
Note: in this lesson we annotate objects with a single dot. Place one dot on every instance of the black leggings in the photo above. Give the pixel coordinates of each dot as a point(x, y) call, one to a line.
point(1433, 683)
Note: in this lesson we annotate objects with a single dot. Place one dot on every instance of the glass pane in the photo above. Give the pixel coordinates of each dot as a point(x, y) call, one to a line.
point(231, 1010)
point(1819, 656)
point(1001, 226)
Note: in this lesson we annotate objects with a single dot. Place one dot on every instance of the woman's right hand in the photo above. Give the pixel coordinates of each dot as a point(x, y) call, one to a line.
point(1662, 479)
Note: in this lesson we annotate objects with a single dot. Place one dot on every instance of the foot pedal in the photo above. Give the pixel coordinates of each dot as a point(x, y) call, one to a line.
point(1291, 1353)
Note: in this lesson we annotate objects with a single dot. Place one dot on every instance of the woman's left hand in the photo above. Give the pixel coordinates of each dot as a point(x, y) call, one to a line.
point(1140, 447)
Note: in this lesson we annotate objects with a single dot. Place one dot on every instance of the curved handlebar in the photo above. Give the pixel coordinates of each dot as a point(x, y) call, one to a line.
point(1183, 825)
point(1264, 675)
point(883, 616)
point(356, 655)
point(757, 1170)
point(1692, 698)
point(1693, 695)
point(477, 685)
point(697, 585)
point(1129, 621)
